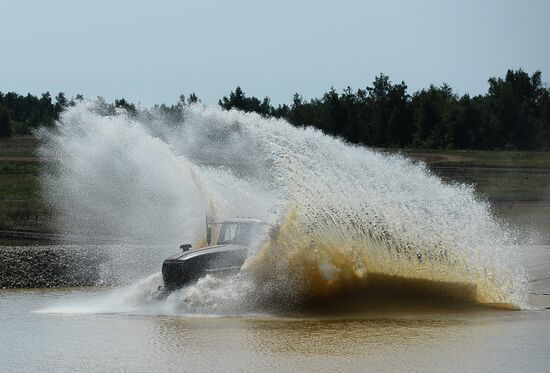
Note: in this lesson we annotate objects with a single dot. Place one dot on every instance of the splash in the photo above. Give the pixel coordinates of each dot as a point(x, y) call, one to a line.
point(344, 218)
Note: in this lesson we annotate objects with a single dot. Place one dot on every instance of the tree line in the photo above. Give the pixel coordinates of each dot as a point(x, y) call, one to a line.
point(513, 114)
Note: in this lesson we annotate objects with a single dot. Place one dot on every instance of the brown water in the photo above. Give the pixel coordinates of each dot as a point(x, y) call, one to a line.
point(72, 330)
point(428, 340)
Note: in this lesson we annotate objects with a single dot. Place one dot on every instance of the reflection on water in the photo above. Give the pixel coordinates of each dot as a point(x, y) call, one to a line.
point(302, 337)
point(462, 340)
point(288, 344)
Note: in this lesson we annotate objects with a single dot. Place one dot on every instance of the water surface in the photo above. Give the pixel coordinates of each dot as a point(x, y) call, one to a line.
point(461, 340)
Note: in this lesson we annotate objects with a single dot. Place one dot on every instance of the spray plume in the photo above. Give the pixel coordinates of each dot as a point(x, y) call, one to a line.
point(341, 216)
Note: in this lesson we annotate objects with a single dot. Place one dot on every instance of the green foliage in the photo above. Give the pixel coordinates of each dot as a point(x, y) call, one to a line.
point(435, 116)
point(513, 114)
point(29, 112)
point(514, 108)
point(123, 104)
point(5, 123)
point(238, 100)
point(193, 99)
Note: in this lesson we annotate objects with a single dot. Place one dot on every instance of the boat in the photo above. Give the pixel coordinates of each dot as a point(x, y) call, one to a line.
point(226, 255)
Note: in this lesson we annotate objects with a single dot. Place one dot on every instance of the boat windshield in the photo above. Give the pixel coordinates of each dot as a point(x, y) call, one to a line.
point(236, 233)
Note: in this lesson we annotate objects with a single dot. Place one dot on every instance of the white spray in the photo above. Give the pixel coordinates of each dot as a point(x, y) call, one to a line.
point(343, 212)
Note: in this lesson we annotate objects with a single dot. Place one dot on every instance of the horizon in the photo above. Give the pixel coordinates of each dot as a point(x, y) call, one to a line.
point(145, 106)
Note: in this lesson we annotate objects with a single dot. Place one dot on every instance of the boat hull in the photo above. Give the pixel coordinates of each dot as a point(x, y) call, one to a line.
point(185, 268)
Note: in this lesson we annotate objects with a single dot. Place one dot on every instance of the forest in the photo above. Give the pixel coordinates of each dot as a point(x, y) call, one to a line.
point(514, 114)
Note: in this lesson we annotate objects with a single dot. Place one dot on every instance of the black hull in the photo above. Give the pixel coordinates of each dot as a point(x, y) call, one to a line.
point(177, 273)
point(182, 270)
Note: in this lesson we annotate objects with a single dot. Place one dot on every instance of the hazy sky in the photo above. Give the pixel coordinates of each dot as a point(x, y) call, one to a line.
point(156, 50)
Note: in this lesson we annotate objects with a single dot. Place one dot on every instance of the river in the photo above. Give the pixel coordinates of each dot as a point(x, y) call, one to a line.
point(42, 332)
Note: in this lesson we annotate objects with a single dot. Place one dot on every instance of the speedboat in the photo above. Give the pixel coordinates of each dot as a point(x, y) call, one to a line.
point(226, 255)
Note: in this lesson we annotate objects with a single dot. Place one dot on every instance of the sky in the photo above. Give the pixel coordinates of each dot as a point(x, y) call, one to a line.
point(153, 51)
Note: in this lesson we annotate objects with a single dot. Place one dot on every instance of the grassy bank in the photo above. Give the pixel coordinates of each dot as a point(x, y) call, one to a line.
point(21, 206)
point(479, 158)
point(516, 183)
